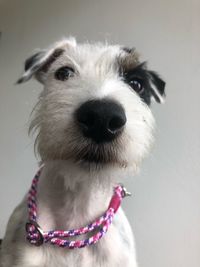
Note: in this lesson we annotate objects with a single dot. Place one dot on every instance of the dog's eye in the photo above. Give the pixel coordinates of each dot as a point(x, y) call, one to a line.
point(137, 85)
point(64, 73)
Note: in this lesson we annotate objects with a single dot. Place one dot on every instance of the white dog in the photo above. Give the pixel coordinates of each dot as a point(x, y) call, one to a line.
point(94, 127)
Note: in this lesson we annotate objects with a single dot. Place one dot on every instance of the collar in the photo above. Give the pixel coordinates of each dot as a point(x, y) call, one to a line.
point(36, 236)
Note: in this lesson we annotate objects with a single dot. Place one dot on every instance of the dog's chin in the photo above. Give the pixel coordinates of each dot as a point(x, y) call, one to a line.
point(88, 154)
point(99, 157)
point(98, 163)
point(96, 158)
point(95, 155)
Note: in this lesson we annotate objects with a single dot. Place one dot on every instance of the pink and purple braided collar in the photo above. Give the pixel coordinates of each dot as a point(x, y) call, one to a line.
point(36, 236)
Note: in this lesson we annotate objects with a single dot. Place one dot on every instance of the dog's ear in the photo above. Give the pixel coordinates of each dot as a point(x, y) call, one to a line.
point(38, 64)
point(157, 87)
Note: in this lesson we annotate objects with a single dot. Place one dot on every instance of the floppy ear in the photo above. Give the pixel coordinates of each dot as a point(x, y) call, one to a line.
point(157, 87)
point(38, 64)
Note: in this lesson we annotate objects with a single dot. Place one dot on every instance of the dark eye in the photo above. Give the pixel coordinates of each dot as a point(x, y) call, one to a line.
point(137, 85)
point(64, 73)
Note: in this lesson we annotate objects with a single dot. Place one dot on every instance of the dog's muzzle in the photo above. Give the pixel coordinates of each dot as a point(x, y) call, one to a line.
point(101, 120)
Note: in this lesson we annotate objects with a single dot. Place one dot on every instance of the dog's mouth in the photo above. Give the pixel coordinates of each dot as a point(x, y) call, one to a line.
point(98, 154)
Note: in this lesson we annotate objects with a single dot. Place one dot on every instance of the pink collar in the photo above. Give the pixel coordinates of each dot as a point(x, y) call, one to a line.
point(36, 236)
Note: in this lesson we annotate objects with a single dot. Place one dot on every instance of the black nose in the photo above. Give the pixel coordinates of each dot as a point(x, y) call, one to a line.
point(101, 120)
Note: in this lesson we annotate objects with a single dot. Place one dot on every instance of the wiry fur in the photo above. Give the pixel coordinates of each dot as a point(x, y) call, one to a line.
point(73, 192)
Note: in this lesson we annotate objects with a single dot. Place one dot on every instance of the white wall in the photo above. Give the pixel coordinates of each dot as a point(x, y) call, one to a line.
point(165, 208)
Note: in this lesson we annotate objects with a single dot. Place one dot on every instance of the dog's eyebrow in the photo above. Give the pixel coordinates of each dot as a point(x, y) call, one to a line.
point(56, 54)
point(75, 64)
point(128, 61)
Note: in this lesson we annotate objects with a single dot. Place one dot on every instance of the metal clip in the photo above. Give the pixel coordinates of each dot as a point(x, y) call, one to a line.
point(125, 192)
point(33, 228)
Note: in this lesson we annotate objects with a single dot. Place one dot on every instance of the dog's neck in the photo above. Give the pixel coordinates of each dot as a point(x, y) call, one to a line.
point(70, 196)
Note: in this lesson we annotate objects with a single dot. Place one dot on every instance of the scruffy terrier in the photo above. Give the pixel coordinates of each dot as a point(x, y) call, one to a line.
point(94, 126)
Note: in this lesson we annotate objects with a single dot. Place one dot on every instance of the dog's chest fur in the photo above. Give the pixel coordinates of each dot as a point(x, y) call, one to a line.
point(67, 204)
point(64, 203)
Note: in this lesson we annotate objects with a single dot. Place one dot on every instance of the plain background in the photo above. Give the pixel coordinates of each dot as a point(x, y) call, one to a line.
point(165, 208)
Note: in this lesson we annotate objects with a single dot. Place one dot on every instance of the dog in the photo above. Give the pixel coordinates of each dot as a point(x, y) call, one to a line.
point(94, 126)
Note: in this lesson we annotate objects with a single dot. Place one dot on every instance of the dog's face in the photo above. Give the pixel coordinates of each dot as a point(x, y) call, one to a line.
point(94, 108)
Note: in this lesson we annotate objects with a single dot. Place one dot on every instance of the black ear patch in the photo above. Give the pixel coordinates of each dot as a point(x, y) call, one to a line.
point(157, 87)
point(32, 60)
point(38, 64)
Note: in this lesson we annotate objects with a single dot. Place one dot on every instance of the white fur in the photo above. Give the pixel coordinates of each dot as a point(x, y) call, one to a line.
point(160, 97)
point(72, 194)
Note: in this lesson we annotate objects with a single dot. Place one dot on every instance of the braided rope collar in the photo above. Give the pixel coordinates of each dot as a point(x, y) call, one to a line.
point(36, 236)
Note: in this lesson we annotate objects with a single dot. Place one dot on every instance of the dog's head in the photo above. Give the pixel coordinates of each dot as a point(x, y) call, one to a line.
point(94, 108)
